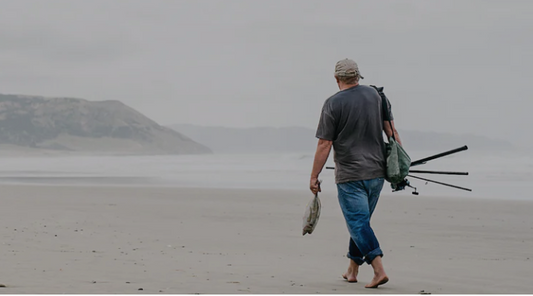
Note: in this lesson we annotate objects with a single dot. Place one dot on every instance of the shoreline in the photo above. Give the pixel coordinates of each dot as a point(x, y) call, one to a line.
point(153, 182)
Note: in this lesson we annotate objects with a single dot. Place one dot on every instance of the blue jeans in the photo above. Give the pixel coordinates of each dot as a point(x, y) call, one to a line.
point(358, 200)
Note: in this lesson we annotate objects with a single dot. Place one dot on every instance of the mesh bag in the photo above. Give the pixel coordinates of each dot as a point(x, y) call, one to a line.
point(312, 213)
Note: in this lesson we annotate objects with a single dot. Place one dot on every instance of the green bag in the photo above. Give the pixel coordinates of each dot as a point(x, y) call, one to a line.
point(398, 161)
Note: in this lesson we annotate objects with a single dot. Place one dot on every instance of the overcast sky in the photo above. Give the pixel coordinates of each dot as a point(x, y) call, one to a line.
point(447, 66)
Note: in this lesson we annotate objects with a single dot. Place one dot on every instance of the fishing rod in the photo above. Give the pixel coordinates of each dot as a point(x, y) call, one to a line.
point(425, 160)
point(438, 172)
point(426, 172)
point(441, 183)
point(406, 183)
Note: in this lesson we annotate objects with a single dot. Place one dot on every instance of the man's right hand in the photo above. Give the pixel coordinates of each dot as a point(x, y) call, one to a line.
point(314, 185)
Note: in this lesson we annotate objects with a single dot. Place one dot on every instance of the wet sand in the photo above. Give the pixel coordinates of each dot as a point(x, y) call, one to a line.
point(89, 239)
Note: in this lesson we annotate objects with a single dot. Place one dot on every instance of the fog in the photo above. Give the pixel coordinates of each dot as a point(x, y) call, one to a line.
point(459, 67)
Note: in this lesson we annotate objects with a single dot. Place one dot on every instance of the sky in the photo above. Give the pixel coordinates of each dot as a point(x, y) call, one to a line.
point(456, 66)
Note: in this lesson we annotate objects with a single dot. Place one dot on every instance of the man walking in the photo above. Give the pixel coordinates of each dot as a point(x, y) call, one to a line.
point(352, 122)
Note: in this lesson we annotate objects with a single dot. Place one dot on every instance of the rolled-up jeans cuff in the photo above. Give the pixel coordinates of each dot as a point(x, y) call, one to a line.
point(372, 255)
point(357, 260)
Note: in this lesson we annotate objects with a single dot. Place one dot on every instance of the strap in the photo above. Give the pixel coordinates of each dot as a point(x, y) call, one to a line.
point(384, 108)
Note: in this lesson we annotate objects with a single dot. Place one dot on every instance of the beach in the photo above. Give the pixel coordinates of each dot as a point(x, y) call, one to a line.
point(84, 239)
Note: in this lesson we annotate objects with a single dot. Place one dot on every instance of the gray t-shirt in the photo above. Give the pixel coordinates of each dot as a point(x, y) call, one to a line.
point(352, 119)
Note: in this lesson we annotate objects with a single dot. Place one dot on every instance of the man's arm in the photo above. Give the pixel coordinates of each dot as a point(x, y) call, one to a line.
point(389, 131)
point(321, 156)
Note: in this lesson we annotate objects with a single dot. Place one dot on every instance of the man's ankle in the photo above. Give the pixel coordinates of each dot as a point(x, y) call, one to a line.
point(377, 265)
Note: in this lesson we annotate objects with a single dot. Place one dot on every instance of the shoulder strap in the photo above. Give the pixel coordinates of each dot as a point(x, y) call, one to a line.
point(384, 107)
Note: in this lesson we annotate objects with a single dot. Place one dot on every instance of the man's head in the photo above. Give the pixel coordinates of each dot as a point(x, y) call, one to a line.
point(347, 72)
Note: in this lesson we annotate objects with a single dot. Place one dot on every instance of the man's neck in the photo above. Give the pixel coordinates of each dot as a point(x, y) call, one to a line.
point(343, 86)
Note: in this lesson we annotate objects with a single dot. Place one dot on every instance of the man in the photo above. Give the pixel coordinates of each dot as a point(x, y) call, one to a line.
point(352, 122)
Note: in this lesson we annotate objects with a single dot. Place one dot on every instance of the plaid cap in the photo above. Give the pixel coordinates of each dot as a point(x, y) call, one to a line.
point(347, 68)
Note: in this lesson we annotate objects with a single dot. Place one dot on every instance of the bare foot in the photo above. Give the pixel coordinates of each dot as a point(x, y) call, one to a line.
point(378, 280)
point(351, 274)
point(350, 277)
point(380, 277)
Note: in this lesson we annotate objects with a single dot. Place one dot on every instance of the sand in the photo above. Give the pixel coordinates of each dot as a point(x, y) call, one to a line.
point(59, 239)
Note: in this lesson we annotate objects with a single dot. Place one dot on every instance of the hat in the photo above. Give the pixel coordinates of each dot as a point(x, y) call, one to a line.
point(347, 68)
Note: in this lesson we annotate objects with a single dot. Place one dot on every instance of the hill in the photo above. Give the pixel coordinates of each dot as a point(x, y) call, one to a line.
point(68, 124)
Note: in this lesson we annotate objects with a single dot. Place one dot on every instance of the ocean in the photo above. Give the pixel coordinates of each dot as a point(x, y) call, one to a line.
point(491, 175)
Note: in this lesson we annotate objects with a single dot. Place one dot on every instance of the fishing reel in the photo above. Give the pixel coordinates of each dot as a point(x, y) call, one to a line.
point(401, 186)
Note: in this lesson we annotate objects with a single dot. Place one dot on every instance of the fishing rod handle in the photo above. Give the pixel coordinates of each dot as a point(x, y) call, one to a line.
point(438, 172)
point(424, 160)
